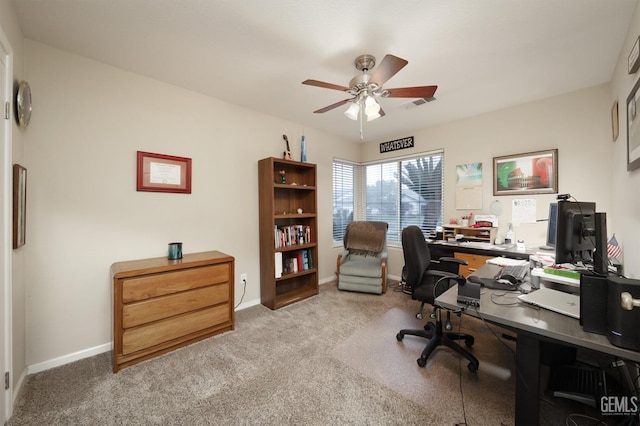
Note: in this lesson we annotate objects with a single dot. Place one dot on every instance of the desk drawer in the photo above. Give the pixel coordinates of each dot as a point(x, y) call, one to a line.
point(159, 308)
point(153, 285)
point(474, 261)
point(146, 336)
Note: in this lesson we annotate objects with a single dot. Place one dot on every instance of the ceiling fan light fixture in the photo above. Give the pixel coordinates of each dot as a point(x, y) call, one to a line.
point(371, 106)
point(352, 111)
point(371, 117)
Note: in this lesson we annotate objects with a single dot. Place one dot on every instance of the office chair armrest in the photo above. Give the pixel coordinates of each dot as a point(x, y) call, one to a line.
point(452, 260)
point(440, 274)
point(439, 287)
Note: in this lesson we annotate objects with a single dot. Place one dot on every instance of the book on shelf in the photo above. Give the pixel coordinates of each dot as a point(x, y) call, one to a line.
point(278, 264)
point(300, 260)
point(292, 235)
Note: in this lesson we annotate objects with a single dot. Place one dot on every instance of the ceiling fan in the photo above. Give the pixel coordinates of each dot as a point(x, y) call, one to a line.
point(366, 87)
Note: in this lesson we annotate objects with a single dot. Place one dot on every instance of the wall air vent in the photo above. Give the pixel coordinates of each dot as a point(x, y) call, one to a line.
point(417, 102)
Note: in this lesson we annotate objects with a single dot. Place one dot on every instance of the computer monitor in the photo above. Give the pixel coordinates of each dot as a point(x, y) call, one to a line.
point(576, 232)
point(552, 225)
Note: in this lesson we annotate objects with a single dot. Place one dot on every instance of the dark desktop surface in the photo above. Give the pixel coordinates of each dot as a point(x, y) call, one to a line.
point(441, 248)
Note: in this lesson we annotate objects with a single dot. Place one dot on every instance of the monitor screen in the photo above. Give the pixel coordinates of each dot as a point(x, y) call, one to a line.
point(575, 234)
point(552, 226)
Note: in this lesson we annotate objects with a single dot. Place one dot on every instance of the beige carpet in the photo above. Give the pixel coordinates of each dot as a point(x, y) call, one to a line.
point(332, 359)
point(375, 352)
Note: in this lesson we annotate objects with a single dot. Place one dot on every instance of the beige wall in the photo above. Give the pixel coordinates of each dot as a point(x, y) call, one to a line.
point(625, 185)
point(84, 212)
point(577, 124)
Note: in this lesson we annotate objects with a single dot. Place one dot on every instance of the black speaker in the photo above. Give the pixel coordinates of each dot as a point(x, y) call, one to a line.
point(600, 257)
point(622, 322)
point(593, 303)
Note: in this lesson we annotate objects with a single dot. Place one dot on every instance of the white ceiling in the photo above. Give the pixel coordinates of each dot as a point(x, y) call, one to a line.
point(483, 54)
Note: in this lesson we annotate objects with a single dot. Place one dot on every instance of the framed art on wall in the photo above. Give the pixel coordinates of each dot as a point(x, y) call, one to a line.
point(525, 174)
point(19, 205)
point(163, 173)
point(633, 130)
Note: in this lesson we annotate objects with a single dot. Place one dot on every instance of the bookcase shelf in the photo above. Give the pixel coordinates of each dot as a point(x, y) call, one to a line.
point(286, 234)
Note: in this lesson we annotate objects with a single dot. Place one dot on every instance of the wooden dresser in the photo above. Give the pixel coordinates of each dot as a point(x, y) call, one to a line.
point(160, 305)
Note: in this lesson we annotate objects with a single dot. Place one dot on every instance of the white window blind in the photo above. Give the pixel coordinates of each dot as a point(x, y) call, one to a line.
point(343, 197)
point(406, 192)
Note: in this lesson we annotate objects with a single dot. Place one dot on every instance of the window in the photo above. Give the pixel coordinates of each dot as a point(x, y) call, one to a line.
point(401, 192)
point(343, 197)
point(406, 192)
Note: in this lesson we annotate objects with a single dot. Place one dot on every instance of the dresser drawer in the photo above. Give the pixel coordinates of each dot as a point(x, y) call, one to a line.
point(146, 336)
point(149, 310)
point(153, 285)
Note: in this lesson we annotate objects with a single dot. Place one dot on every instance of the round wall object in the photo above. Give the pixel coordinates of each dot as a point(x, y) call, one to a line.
point(23, 104)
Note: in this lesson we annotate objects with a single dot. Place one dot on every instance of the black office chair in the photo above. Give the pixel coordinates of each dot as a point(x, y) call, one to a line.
point(428, 279)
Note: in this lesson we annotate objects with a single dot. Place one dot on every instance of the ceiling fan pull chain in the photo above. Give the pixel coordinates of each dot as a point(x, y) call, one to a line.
point(361, 132)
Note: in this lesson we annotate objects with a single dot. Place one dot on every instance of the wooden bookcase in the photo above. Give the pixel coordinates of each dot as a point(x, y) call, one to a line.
point(280, 283)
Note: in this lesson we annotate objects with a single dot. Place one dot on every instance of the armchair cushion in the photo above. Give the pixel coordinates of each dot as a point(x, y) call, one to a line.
point(362, 264)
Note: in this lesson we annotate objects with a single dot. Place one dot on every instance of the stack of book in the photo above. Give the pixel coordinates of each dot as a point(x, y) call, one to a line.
point(292, 235)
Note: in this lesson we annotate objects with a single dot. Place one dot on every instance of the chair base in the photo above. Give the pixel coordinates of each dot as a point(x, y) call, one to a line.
point(437, 337)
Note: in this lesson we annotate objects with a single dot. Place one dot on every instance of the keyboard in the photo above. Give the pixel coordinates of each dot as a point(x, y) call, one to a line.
point(517, 271)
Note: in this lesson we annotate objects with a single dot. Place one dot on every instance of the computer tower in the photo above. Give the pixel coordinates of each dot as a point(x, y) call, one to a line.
point(623, 326)
point(593, 303)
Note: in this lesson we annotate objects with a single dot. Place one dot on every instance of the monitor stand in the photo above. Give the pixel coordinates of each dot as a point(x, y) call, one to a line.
point(549, 248)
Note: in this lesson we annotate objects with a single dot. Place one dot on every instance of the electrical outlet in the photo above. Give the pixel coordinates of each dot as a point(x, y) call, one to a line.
point(243, 278)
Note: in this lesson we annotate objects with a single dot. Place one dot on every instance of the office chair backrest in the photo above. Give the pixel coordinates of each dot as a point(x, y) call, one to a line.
point(417, 257)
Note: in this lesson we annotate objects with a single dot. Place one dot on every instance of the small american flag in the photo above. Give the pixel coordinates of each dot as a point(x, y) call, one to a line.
point(613, 248)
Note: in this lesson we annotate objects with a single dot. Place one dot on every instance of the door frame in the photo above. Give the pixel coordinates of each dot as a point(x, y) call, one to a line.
point(6, 335)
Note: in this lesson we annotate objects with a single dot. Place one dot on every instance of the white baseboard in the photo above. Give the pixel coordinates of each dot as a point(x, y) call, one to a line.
point(18, 386)
point(66, 359)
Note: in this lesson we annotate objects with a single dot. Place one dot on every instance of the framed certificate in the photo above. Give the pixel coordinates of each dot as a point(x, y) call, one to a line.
point(163, 173)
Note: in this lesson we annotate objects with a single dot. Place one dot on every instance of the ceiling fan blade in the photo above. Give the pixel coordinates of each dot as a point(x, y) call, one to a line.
point(389, 66)
point(412, 92)
point(325, 85)
point(332, 106)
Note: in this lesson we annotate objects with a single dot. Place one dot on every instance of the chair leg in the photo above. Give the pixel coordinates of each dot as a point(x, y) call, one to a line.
point(437, 337)
point(473, 361)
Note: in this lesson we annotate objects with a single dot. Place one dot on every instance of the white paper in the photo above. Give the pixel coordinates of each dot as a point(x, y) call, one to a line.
point(523, 211)
point(164, 173)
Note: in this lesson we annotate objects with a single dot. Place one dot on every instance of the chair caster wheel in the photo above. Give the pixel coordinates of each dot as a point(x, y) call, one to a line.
point(422, 362)
point(399, 336)
point(469, 341)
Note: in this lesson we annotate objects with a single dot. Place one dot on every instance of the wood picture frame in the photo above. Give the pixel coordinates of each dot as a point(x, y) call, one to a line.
point(615, 128)
point(525, 174)
point(163, 173)
point(19, 206)
point(633, 60)
point(633, 130)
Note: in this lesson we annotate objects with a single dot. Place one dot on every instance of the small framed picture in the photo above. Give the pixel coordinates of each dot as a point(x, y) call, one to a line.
point(163, 173)
point(615, 130)
point(19, 206)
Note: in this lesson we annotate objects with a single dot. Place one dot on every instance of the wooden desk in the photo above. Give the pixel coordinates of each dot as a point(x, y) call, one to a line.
point(474, 253)
point(533, 326)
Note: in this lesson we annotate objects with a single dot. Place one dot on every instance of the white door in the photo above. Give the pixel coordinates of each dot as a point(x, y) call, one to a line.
point(6, 195)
